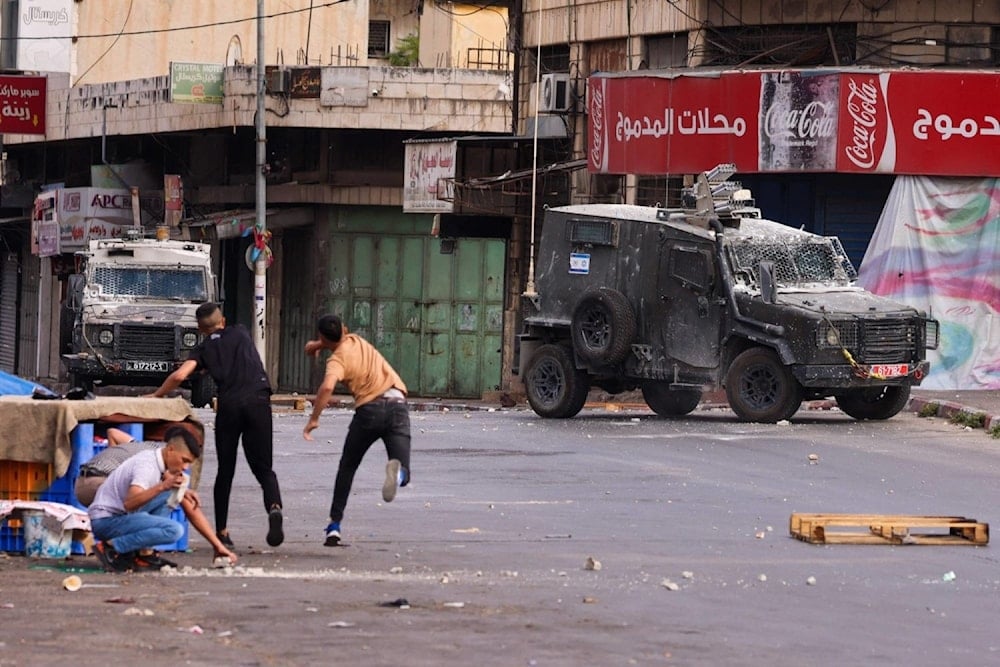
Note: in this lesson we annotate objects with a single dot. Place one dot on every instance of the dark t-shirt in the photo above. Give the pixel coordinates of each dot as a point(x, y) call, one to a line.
point(231, 359)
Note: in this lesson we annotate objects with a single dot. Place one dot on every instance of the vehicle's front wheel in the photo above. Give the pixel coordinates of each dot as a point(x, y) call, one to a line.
point(84, 382)
point(760, 388)
point(554, 386)
point(202, 390)
point(874, 402)
point(668, 402)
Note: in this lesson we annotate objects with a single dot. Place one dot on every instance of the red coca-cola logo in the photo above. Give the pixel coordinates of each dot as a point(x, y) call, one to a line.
point(596, 126)
point(869, 123)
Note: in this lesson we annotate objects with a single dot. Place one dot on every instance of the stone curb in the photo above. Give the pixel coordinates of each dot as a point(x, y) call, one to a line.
point(948, 409)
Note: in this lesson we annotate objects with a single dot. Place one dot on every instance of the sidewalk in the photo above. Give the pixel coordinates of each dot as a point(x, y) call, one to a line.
point(951, 401)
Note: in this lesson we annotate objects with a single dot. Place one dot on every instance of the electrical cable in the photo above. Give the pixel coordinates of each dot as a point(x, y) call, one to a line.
point(110, 46)
point(199, 26)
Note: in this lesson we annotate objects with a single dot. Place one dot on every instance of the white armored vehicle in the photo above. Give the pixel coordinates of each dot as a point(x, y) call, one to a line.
point(134, 308)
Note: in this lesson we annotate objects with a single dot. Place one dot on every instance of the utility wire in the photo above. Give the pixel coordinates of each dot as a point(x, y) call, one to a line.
point(110, 46)
point(181, 28)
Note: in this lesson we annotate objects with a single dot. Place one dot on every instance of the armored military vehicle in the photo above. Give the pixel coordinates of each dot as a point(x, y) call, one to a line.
point(134, 304)
point(676, 302)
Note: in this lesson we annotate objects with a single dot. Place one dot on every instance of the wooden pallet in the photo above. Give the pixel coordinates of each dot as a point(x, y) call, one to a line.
point(887, 529)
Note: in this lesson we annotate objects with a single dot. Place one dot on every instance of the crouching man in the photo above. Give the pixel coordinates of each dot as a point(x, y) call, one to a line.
point(130, 512)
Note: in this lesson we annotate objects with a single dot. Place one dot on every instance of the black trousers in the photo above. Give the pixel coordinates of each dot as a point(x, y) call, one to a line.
point(388, 419)
point(249, 418)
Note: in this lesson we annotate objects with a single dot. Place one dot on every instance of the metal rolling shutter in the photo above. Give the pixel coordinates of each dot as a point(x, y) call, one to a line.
point(8, 311)
point(849, 207)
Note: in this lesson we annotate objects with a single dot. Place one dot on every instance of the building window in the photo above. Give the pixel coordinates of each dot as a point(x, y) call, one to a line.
point(970, 46)
point(555, 58)
point(780, 45)
point(661, 191)
point(664, 51)
point(378, 39)
point(9, 24)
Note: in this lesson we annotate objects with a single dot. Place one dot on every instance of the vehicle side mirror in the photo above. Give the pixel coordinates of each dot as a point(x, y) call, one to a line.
point(768, 290)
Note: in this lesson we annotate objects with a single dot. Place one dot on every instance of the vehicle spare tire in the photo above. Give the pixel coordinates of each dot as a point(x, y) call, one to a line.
point(874, 402)
point(555, 387)
point(603, 327)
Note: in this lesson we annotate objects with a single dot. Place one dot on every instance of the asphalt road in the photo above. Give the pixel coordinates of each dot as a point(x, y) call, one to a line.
point(687, 521)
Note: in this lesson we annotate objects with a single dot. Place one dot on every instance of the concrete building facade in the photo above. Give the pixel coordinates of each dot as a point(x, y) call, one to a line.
point(336, 127)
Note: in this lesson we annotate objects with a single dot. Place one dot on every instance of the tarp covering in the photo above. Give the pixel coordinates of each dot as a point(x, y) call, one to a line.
point(12, 385)
point(937, 247)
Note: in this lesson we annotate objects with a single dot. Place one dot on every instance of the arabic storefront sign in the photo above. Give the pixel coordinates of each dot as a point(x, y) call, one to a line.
point(198, 83)
point(428, 177)
point(902, 122)
point(22, 105)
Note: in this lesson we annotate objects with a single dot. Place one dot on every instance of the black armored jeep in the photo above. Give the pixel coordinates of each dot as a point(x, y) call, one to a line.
point(679, 301)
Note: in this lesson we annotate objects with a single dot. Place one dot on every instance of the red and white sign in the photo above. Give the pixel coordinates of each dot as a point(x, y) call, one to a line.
point(22, 104)
point(858, 121)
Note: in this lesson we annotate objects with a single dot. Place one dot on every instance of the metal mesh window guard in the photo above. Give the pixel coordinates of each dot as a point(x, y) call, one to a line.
point(819, 260)
point(155, 283)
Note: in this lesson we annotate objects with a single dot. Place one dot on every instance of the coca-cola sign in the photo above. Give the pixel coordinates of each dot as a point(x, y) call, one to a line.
point(866, 138)
point(799, 125)
point(929, 122)
point(597, 128)
point(816, 121)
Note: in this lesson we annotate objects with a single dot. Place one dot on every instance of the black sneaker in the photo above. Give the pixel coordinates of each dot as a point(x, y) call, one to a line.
point(275, 536)
point(112, 560)
point(152, 561)
point(226, 540)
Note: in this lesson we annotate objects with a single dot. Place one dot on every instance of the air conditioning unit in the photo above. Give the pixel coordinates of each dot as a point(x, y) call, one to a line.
point(555, 93)
point(277, 81)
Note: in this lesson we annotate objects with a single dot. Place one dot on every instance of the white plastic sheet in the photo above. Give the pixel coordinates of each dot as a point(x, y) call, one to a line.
point(937, 247)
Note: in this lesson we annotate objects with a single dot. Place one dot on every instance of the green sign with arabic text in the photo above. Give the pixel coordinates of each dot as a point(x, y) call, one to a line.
point(197, 83)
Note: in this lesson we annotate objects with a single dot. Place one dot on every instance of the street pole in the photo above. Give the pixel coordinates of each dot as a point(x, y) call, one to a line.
point(260, 265)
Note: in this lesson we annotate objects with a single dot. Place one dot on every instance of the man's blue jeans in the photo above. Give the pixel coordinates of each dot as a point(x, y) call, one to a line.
point(144, 528)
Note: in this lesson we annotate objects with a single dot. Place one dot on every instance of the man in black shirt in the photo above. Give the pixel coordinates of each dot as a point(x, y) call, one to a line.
point(244, 409)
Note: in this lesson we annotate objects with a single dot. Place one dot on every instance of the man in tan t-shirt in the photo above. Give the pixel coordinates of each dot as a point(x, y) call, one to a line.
point(380, 411)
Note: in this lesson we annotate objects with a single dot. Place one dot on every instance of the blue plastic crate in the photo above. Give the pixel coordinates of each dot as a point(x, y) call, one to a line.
point(181, 544)
point(61, 489)
point(11, 539)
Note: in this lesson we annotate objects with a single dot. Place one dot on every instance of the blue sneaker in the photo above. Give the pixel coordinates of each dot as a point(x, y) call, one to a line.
point(393, 479)
point(332, 535)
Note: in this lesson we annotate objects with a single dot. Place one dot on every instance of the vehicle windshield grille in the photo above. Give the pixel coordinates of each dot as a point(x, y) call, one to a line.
point(889, 341)
point(153, 283)
point(146, 342)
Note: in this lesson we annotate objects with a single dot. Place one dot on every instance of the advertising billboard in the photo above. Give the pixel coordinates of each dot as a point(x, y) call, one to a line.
point(929, 122)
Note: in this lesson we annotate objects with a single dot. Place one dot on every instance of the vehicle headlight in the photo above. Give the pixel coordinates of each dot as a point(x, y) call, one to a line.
point(106, 337)
point(189, 339)
point(840, 334)
point(932, 333)
point(833, 336)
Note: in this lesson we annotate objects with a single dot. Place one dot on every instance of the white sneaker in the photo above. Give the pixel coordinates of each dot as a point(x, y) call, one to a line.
point(391, 483)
